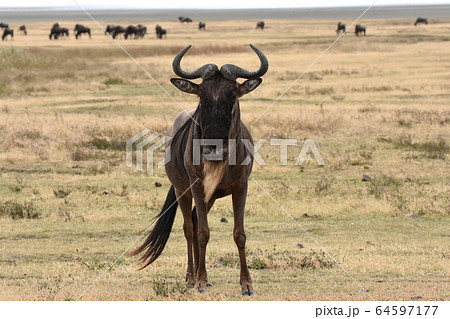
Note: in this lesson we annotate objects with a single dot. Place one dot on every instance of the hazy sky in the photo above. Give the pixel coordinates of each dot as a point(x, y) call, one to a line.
point(205, 4)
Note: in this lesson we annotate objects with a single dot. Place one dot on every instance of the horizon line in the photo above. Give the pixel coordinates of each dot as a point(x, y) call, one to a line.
point(106, 8)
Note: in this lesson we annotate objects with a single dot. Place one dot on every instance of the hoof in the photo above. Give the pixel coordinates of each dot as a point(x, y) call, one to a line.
point(208, 284)
point(201, 290)
point(248, 292)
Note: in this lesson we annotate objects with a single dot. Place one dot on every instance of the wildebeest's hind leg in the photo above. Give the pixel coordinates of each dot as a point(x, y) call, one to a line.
point(185, 202)
point(195, 239)
point(239, 194)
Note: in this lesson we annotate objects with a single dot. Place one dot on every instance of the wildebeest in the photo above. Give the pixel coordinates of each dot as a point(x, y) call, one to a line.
point(130, 30)
point(260, 25)
point(160, 32)
point(109, 29)
point(360, 29)
point(340, 27)
point(117, 30)
point(421, 20)
point(185, 19)
point(4, 25)
point(202, 26)
point(23, 29)
point(141, 31)
point(56, 31)
point(80, 29)
point(7, 32)
point(218, 172)
point(138, 31)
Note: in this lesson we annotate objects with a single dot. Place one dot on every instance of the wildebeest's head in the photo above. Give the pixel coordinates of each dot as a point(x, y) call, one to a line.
point(219, 94)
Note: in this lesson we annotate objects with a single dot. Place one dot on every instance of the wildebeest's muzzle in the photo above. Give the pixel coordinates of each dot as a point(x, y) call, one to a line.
point(215, 152)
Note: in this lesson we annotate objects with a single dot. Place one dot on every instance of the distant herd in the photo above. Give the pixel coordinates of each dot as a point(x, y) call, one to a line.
point(7, 31)
point(139, 31)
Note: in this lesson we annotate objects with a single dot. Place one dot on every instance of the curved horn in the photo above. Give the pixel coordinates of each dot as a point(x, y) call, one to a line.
point(204, 72)
point(232, 72)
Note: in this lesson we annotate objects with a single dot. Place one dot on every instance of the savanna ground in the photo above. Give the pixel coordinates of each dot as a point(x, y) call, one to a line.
point(375, 105)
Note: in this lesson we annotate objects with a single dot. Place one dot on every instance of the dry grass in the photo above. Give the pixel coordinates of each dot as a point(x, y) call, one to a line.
point(375, 105)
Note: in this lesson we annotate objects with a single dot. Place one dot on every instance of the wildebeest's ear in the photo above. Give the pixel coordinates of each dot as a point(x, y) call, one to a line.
point(248, 86)
point(185, 85)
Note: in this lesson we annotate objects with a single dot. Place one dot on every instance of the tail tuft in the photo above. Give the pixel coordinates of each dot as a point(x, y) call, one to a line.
point(156, 241)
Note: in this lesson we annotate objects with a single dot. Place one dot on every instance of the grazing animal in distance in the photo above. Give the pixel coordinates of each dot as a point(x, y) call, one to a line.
point(109, 29)
point(160, 32)
point(65, 32)
point(80, 29)
point(359, 29)
point(421, 20)
point(141, 31)
point(260, 25)
point(23, 29)
point(340, 27)
point(202, 26)
point(4, 25)
point(219, 171)
point(56, 32)
point(117, 31)
point(130, 30)
point(158, 29)
point(7, 32)
point(185, 19)
point(138, 31)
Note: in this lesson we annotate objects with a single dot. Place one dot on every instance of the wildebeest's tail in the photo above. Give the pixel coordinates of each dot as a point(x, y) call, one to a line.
point(156, 241)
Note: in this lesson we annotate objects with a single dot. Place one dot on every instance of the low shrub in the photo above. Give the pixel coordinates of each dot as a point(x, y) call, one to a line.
point(17, 210)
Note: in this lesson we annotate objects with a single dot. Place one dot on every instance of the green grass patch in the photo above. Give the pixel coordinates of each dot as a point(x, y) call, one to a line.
point(22, 59)
point(114, 81)
point(434, 149)
point(19, 210)
point(383, 185)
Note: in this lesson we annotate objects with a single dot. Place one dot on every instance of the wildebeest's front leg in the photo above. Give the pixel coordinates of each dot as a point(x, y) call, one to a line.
point(239, 194)
point(185, 202)
point(202, 236)
point(195, 241)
